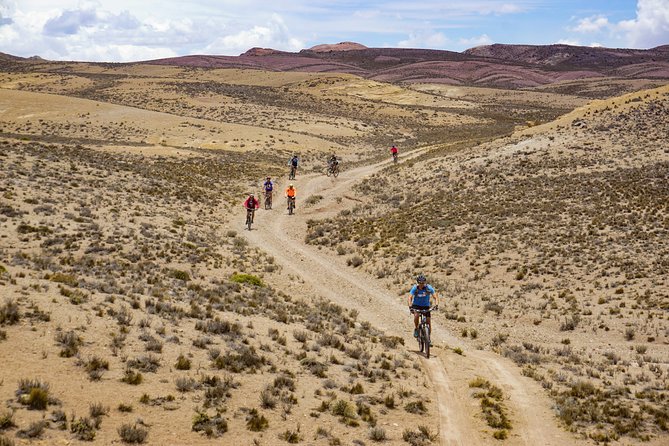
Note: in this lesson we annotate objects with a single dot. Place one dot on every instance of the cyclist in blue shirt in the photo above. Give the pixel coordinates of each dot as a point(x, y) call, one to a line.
point(419, 298)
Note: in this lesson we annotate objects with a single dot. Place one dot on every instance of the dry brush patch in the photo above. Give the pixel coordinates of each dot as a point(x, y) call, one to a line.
point(551, 251)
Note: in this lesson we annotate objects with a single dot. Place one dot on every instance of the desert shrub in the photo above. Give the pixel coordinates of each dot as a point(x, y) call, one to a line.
point(314, 366)
point(421, 437)
point(97, 410)
point(245, 359)
point(70, 342)
point(4, 441)
point(7, 420)
point(267, 399)
point(132, 377)
point(123, 407)
point(417, 407)
point(247, 278)
point(291, 436)
point(34, 394)
point(301, 335)
point(66, 279)
point(34, 429)
point(377, 434)
point(185, 384)
point(256, 422)
point(9, 313)
point(95, 366)
point(180, 275)
point(83, 429)
point(354, 261)
point(210, 426)
point(133, 433)
point(145, 363)
point(182, 363)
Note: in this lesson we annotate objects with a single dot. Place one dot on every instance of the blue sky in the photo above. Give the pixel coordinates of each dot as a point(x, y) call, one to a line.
point(131, 30)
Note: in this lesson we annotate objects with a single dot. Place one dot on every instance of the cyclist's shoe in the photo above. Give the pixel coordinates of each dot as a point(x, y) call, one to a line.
point(415, 333)
point(430, 343)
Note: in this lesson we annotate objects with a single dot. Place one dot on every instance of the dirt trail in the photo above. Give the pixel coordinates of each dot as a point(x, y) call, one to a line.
point(310, 270)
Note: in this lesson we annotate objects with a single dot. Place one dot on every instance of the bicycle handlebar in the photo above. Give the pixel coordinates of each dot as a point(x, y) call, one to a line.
point(417, 310)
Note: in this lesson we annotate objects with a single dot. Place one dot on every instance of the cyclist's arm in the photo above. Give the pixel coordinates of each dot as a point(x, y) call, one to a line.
point(436, 299)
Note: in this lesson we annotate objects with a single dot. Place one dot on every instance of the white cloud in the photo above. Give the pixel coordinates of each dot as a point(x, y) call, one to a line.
point(592, 24)
point(425, 39)
point(569, 42)
point(650, 28)
point(274, 34)
point(475, 41)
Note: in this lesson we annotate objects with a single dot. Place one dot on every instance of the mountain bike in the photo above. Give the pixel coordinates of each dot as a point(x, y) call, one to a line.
point(268, 200)
point(291, 205)
point(423, 330)
point(395, 158)
point(333, 169)
point(293, 171)
point(249, 217)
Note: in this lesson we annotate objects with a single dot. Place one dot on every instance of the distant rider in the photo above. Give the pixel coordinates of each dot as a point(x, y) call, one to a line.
point(333, 162)
point(290, 194)
point(294, 161)
point(419, 299)
point(269, 187)
point(393, 152)
point(251, 204)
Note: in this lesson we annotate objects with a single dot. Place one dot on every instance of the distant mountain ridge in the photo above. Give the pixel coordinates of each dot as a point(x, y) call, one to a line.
point(498, 65)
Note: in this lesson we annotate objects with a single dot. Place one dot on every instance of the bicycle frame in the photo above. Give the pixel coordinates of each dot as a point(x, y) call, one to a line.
point(423, 331)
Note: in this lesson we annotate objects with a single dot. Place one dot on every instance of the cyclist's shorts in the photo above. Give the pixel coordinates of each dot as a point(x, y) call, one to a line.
point(422, 307)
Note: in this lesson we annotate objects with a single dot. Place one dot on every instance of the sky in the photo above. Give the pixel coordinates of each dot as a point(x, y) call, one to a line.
point(133, 30)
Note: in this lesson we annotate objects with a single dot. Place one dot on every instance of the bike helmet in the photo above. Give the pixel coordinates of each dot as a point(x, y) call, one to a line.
point(421, 279)
point(290, 185)
point(251, 195)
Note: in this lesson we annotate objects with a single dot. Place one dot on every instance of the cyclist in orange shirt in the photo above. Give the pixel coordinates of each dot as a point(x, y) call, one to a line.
point(290, 194)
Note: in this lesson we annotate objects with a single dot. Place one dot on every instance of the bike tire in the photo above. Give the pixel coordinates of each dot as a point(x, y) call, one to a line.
point(335, 173)
point(426, 341)
point(268, 203)
point(328, 172)
point(421, 344)
point(248, 222)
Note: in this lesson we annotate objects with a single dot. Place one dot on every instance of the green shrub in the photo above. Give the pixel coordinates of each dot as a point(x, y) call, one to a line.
point(66, 279)
point(182, 363)
point(7, 420)
point(247, 278)
point(180, 275)
point(83, 429)
point(256, 422)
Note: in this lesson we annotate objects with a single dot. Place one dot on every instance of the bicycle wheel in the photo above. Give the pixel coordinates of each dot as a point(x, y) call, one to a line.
point(248, 220)
point(426, 341)
point(421, 343)
point(268, 202)
point(291, 206)
point(336, 172)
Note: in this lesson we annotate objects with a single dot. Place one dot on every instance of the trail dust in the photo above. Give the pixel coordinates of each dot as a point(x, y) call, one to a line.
point(309, 270)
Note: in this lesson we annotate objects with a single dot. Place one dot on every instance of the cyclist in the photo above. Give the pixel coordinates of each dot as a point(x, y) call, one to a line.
point(290, 195)
point(419, 299)
point(393, 152)
point(294, 161)
point(251, 204)
point(269, 187)
point(333, 163)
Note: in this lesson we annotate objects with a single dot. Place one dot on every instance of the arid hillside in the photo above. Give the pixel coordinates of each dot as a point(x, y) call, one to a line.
point(136, 309)
point(499, 66)
point(550, 247)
